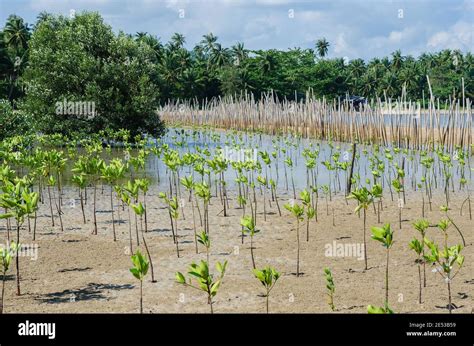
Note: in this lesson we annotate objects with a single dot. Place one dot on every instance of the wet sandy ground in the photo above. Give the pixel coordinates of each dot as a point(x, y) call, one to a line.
point(76, 271)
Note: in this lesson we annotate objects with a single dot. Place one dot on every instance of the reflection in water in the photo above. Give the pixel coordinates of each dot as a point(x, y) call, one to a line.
point(235, 146)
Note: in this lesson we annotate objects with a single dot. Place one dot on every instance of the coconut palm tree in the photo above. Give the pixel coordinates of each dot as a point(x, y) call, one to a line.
point(397, 60)
point(42, 17)
point(357, 68)
point(14, 37)
point(267, 62)
point(177, 41)
point(140, 35)
point(219, 56)
point(208, 42)
point(239, 53)
point(16, 33)
point(322, 46)
point(154, 43)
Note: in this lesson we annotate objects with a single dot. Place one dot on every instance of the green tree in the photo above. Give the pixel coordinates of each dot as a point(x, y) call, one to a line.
point(322, 46)
point(108, 77)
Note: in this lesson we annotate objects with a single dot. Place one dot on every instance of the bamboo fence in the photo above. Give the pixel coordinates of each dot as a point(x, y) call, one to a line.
point(394, 122)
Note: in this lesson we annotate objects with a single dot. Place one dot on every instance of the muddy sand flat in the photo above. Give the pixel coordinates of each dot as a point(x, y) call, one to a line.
point(79, 272)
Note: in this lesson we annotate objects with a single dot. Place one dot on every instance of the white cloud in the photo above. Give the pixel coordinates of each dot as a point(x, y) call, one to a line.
point(340, 46)
point(458, 36)
point(256, 32)
point(57, 6)
point(361, 29)
point(395, 36)
point(175, 4)
point(308, 15)
point(439, 39)
point(274, 2)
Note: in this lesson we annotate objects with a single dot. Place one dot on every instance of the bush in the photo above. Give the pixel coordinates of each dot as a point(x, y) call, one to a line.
point(83, 77)
point(13, 122)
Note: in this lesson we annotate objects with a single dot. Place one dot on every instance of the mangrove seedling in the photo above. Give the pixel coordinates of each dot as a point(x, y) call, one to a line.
point(263, 183)
point(377, 192)
point(268, 276)
point(203, 191)
point(139, 271)
point(310, 211)
point(203, 238)
point(289, 163)
point(445, 209)
point(126, 199)
point(379, 310)
point(111, 174)
point(173, 212)
point(417, 246)
point(421, 226)
point(139, 210)
point(398, 186)
point(384, 235)
point(188, 184)
point(80, 181)
point(330, 286)
point(248, 223)
point(205, 279)
point(298, 213)
point(364, 199)
point(273, 188)
point(445, 259)
point(6, 257)
point(21, 203)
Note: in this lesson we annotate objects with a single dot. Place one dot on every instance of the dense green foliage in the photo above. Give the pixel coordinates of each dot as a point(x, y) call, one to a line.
point(80, 59)
point(13, 57)
point(13, 122)
point(82, 77)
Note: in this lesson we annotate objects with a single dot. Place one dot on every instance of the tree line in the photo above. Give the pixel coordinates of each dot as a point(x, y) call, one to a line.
point(80, 59)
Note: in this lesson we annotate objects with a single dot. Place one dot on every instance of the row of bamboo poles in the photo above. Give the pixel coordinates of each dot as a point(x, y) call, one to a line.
point(395, 122)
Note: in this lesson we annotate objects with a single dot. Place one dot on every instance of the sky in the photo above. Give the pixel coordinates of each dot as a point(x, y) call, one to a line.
point(354, 28)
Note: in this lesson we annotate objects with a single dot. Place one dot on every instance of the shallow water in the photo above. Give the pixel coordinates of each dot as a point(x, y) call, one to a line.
point(251, 143)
